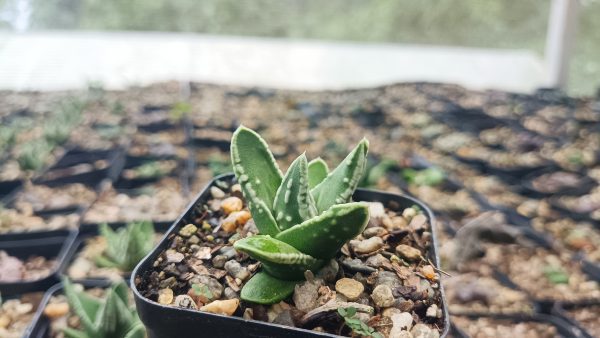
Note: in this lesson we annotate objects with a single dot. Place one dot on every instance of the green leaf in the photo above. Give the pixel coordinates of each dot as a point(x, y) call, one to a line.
point(278, 258)
point(428, 177)
point(376, 172)
point(339, 185)
point(293, 202)
point(265, 289)
point(258, 173)
point(322, 236)
point(317, 171)
point(556, 275)
point(85, 307)
point(127, 246)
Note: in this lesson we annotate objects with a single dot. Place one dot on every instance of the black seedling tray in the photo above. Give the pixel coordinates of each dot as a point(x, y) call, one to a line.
point(114, 159)
point(528, 190)
point(167, 321)
point(7, 189)
point(50, 244)
point(559, 310)
point(135, 161)
point(157, 127)
point(40, 325)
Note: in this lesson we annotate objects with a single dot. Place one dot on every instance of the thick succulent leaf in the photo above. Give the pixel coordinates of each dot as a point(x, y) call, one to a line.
point(263, 218)
point(265, 289)
point(258, 173)
point(339, 185)
point(127, 246)
point(71, 333)
point(115, 244)
point(293, 202)
point(321, 237)
point(270, 250)
point(317, 171)
point(86, 308)
point(279, 259)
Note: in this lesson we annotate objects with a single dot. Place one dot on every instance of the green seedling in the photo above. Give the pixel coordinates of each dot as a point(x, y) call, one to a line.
point(110, 317)
point(304, 217)
point(375, 172)
point(126, 246)
point(356, 325)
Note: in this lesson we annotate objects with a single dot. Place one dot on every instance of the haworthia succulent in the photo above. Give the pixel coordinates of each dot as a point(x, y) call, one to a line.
point(339, 185)
point(303, 218)
point(317, 171)
point(322, 236)
point(294, 203)
point(258, 174)
point(127, 246)
point(111, 317)
point(263, 288)
point(280, 259)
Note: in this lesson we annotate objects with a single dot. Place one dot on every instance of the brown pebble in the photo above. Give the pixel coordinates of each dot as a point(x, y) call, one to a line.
point(165, 296)
point(428, 272)
point(231, 204)
point(350, 288)
point(223, 307)
point(408, 252)
point(56, 310)
point(234, 220)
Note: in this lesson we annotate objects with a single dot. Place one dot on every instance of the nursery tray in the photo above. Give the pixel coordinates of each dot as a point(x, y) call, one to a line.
point(114, 158)
point(167, 321)
point(559, 310)
point(50, 244)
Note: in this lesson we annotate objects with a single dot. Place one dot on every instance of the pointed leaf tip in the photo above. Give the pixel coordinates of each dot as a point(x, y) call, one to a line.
point(339, 185)
point(317, 171)
point(293, 203)
point(258, 174)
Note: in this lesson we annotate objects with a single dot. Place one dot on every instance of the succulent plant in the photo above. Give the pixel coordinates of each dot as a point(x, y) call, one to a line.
point(111, 317)
point(33, 154)
point(126, 246)
point(304, 217)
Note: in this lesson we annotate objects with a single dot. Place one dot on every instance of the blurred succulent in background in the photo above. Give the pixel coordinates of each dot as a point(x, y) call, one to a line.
point(375, 172)
point(430, 177)
point(126, 246)
point(304, 217)
point(110, 317)
point(179, 111)
point(33, 154)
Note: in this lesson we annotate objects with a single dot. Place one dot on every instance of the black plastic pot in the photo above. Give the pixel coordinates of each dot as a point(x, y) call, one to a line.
point(563, 328)
point(40, 324)
point(166, 321)
point(59, 174)
point(50, 244)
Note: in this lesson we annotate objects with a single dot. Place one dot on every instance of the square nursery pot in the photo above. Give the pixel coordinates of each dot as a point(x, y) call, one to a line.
point(54, 244)
point(171, 322)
